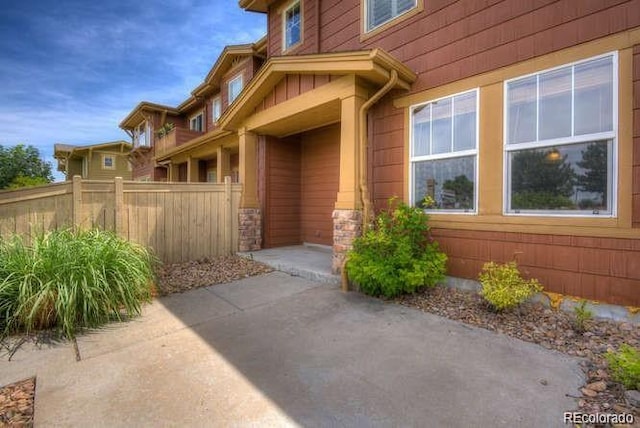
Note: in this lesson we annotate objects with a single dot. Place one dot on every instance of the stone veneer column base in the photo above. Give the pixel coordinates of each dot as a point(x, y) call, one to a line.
point(250, 229)
point(347, 225)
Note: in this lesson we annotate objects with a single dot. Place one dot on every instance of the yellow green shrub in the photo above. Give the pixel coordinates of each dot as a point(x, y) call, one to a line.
point(503, 287)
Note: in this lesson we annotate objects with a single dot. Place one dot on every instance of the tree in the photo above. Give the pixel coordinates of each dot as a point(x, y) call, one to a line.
point(594, 162)
point(541, 179)
point(21, 166)
point(462, 189)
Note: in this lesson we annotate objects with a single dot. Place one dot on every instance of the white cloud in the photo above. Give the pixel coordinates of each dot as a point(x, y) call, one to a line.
point(82, 66)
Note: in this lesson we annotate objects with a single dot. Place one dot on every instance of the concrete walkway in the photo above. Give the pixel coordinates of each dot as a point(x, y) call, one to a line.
point(277, 350)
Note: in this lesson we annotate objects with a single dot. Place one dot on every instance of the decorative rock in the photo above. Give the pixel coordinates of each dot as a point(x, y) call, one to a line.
point(589, 392)
point(597, 386)
point(632, 397)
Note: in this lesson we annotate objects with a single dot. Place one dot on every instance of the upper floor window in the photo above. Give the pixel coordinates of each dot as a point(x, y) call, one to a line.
point(560, 139)
point(444, 152)
point(108, 162)
point(196, 122)
point(379, 12)
point(216, 109)
point(235, 87)
point(141, 135)
point(292, 22)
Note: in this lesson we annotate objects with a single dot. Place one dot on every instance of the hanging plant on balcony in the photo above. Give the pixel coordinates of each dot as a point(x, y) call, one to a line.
point(165, 129)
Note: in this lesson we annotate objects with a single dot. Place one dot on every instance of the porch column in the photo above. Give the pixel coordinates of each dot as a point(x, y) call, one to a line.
point(347, 216)
point(173, 172)
point(250, 218)
point(223, 167)
point(192, 170)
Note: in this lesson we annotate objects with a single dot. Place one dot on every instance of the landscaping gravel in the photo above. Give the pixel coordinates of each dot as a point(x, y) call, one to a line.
point(180, 277)
point(551, 329)
point(16, 403)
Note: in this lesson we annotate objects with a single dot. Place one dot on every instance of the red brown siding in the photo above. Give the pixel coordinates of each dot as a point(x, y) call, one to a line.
point(320, 175)
point(605, 269)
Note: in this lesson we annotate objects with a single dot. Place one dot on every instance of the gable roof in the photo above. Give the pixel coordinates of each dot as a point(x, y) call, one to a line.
point(372, 65)
point(211, 83)
point(68, 150)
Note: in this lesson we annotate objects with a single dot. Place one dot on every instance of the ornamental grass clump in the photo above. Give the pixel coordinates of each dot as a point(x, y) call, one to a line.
point(503, 287)
point(396, 256)
point(72, 280)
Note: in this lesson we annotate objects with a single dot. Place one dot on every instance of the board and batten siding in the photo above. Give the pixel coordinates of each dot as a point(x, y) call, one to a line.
point(320, 181)
point(179, 222)
point(282, 187)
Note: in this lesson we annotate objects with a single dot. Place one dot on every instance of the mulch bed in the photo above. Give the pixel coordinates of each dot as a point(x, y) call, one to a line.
point(17, 403)
point(550, 329)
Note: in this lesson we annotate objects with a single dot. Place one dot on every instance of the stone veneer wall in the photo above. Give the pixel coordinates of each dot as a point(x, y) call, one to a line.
point(347, 225)
point(250, 228)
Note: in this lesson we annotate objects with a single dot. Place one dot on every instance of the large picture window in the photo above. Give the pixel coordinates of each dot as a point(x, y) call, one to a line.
point(561, 140)
point(444, 144)
point(379, 12)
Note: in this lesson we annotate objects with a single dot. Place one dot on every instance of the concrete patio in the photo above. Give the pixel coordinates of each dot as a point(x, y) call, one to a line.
point(277, 350)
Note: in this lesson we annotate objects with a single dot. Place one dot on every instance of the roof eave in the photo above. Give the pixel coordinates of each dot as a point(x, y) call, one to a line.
point(374, 65)
point(261, 6)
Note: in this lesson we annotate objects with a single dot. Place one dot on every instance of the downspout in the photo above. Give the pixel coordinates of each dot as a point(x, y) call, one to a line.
point(318, 27)
point(362, 135)
point(364, 188)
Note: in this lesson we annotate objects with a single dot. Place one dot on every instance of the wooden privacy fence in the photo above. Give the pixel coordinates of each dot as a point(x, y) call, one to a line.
point(179, 221)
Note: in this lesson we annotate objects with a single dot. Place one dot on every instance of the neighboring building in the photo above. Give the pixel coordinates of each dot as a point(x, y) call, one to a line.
point(184, 143)
point(515, 124)
point(102, 161)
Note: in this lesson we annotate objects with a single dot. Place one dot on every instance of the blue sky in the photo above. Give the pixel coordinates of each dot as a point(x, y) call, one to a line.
point(71, 70)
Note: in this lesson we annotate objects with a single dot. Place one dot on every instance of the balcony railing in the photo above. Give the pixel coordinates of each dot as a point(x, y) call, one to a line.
point(174, 138)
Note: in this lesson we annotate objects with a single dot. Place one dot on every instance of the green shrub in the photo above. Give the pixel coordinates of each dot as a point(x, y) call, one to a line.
point(581, 315)
point(71, 280)
point(625, 366)
point(503, 287)
point(396, 256)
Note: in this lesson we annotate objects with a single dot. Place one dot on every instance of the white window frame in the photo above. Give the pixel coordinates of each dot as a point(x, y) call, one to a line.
point(612, 193)
point(449, 155)
point(394, 5)
point(147, 132)
point(215, 115)
point(285, 43)
point(104, 159)
point(229, 85)
point(194, 119)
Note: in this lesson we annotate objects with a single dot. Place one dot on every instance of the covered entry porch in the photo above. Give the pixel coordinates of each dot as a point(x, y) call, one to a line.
point(301, 127)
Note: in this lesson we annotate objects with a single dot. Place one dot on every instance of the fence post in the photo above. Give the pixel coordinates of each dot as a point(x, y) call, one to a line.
point(76, 189)
point(118, 203)
point(228, 211)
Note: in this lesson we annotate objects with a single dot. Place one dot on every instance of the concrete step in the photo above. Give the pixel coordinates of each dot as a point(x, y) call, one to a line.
point(309, 261)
